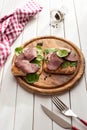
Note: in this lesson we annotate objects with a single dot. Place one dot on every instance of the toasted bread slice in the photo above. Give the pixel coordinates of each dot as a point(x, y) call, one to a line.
point(60, 70)
point(15, 70)
point(18, 72)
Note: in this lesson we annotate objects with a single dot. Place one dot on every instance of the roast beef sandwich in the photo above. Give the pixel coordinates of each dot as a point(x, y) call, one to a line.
point(60, 60)
point(27, 63)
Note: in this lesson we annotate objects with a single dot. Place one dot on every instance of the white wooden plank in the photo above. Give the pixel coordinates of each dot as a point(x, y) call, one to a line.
point(43, 28)
point(81, 13)
point(7, 101)
point(71, 33)
point(1, 6)
point(24, 110)
point(71, 30)
point(8, 7)
point(41, 121)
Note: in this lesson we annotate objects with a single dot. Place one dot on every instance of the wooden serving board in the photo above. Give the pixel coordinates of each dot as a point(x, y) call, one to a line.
point(50, 84)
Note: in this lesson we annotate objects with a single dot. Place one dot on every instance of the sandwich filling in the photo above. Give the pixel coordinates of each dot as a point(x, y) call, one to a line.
point(29, 61)
point(23, 61)
point(62, 57)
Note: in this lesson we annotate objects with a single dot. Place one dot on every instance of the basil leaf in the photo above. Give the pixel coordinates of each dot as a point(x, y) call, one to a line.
point(18, 50)
point(31, 78)
point(62, 53)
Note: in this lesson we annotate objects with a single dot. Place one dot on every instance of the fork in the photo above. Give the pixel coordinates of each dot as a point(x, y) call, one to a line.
point(65, 109)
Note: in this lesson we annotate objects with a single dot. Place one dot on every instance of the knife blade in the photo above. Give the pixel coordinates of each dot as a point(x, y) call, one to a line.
point(61, 122)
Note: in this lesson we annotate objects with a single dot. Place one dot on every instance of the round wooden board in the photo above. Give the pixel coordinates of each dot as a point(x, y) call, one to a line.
point(50, 84)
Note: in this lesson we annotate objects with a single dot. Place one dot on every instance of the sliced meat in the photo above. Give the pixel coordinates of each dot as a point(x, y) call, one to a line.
point(27, 67)
point(54, 62)
point(30, 53)
point(72, 57)
point(20, 57)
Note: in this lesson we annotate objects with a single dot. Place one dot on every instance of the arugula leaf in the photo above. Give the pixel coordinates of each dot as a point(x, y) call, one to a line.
point(62, 53)
point(31, 78)
point(18, 50)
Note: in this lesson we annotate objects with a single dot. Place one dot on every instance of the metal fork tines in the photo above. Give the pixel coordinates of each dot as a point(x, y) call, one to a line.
point(59, 104)
point(65, 109)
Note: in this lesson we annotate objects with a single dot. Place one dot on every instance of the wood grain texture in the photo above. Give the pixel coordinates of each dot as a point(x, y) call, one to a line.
point(50, 84)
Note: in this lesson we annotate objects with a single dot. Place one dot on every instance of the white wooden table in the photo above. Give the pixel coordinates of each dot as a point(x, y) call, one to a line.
point(21, 110)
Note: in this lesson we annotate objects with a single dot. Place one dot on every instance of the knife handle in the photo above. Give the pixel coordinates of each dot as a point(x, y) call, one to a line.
point(74, 128)
point(84, 122)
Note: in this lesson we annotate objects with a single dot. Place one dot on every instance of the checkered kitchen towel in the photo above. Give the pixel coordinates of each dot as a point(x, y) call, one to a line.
point(12, 25)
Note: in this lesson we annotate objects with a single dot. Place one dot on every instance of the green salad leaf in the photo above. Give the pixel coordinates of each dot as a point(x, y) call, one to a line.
point(74, 63)
point(50, 50)
point(39, 57)
point(39, 53)
point(35, 61)
point(69, 63)
point(62, 53)
point(18, 50)
point(31, 78)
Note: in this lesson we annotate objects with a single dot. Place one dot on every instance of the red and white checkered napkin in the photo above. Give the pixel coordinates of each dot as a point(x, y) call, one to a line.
point(12, 25)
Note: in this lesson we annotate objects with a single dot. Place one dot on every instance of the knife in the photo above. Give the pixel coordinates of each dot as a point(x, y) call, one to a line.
point(61, 122)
